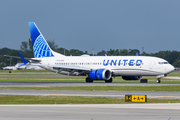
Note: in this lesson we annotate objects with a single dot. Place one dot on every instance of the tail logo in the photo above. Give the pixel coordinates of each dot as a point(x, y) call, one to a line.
point(41, 49)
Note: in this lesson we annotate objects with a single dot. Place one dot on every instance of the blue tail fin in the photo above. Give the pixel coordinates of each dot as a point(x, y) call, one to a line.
point(40, 46)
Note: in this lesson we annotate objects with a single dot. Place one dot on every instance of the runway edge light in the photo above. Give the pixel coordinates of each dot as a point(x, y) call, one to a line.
point(136, 98)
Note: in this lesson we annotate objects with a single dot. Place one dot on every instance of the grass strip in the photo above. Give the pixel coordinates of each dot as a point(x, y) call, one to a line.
point(170, 88)
point(15, 99)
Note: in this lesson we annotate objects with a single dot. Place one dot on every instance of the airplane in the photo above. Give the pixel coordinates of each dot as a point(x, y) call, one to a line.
point(95, 67)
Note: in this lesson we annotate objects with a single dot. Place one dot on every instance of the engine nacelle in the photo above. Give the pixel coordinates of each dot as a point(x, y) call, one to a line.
point(100, 74)
point(132, 77)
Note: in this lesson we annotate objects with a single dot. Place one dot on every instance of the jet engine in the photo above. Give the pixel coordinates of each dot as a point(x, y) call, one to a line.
point(100, 74)
point(132, 77)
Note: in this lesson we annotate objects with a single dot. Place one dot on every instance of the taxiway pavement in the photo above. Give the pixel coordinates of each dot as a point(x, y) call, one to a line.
point(168, 111)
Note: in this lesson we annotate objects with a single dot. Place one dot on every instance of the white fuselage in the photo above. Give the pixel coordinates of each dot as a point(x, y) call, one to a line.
point(119, 65)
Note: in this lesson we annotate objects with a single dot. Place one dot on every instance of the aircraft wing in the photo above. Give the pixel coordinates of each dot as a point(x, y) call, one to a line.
point(69, 69)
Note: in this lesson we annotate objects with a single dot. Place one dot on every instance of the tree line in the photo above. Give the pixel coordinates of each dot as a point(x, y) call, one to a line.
point(26, 50)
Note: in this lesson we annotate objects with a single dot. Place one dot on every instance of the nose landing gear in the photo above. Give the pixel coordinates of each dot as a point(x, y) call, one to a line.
point(158, 81)
point(159, 77)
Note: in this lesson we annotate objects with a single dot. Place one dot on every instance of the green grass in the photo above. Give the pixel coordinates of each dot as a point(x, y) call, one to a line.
point(173, 75)
point(175, 72)
point(15, 99)
point(103, 88)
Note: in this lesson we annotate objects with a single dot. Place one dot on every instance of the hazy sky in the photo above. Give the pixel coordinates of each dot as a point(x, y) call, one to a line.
point(98, 24)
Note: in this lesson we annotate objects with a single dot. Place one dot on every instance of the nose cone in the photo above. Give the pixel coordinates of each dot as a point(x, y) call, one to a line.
point(171, 68)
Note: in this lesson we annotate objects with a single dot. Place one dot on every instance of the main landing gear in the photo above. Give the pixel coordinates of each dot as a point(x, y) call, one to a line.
point(109, 81)
point(88, 80)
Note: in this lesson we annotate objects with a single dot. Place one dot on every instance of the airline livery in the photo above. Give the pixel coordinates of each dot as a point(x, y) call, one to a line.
point(95, 67)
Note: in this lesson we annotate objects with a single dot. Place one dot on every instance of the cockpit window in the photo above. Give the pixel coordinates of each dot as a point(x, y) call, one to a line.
point(161, 63)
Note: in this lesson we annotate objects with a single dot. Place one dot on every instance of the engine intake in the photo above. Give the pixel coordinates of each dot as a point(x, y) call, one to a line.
point(132, 77)
point(100, 74)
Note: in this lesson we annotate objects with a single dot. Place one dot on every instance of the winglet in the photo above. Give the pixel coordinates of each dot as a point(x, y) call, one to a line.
point(24, 60)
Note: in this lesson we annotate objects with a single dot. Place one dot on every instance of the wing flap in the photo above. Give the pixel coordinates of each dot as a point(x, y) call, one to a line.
point(70, 69)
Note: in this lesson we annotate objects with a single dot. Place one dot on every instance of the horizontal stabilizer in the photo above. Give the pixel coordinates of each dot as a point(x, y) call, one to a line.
point(29, 59)
point(24, 60)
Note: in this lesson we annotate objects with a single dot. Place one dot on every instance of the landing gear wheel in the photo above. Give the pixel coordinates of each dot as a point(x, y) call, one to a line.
point(88, 80)
point(158, 81)
point(109, 81)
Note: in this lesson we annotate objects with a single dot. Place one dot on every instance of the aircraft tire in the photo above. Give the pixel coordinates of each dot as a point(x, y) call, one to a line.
point(109, 81)
point(88, 80)
point(158, 81)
